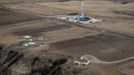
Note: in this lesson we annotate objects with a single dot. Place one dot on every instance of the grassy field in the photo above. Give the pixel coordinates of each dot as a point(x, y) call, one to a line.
point(22, 17)
point(118, 17)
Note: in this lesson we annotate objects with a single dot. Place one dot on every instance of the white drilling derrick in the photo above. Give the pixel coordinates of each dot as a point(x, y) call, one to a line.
point(82, 9)
point(81, 18)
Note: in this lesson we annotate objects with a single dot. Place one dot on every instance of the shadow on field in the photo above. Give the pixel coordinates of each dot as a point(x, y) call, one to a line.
point(8, 16)
point(129, 13)
point(123, 1)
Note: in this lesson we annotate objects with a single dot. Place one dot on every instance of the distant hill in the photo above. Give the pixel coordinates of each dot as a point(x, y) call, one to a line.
point(123, 1)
